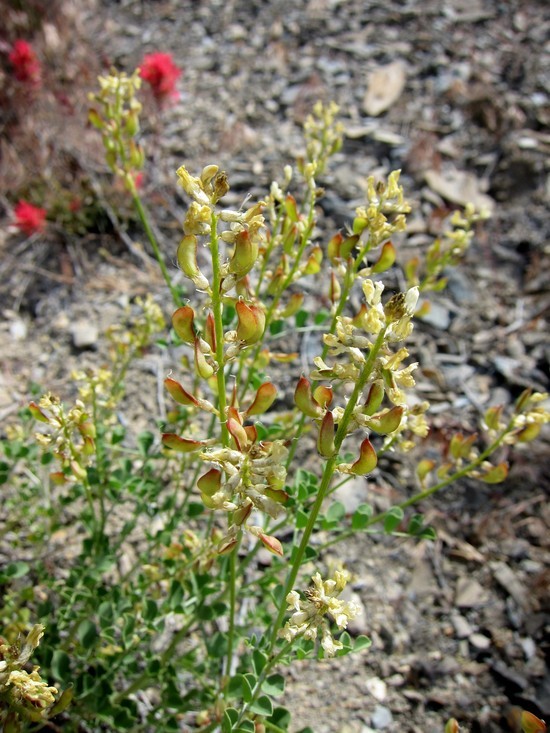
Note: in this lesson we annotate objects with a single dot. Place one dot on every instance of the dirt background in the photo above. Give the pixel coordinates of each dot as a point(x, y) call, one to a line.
point(460, 627)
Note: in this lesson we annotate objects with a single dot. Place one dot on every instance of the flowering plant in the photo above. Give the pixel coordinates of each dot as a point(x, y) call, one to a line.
point(179, 611)
point(161, 73)
point(26, 66)
point(29, 219)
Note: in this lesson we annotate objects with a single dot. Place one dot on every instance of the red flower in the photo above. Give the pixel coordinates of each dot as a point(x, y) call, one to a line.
point(25, 63)
point(160, 71)
point(29, 218)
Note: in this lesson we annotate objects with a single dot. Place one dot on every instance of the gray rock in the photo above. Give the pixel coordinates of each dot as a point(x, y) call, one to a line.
point(381, 717)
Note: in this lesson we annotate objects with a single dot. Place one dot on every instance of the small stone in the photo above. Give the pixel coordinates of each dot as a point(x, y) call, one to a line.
point(461, 626)
point(469, 593)
point(377, 688)
point(18, 330)
point(84, 334)
point(479, 641)
point(381, 718)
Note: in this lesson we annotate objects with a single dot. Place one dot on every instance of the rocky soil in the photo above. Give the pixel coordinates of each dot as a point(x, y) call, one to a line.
point(456, 93)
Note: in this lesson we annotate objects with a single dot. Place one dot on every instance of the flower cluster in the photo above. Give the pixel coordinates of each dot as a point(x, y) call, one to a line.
point(159, 70)
point(324, 135)
point(22, 691)
point(26, 66)
point(117, 117)
point(71, 436)
point(29, 219)
point(308, 617)
point(446, 251)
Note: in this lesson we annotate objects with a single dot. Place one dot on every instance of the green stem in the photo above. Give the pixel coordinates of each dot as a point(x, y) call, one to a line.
point(156, 249)
point(232, 610)
point(330, 466)
point(217, 312)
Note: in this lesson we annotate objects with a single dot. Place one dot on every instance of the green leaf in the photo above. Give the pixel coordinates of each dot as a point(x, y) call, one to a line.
point(248, 683)
point(16, 570)
point(301, 318)
point(274, 685)
point(416, 523)
point(259, 660)
point(428, 533)
point(276, 327)
point(61, 665)
point(217, 645)
point(280, 718)
point(262, 706)
point(247, 726)
point(321, 316)
point(235, 686)
point(230, 717)
point(150, 610)
point(335, 512)
point(361, 516)
point(393, 518)
point(301, 519)
point(145, 441)
point(361, 642)
point(87, 633)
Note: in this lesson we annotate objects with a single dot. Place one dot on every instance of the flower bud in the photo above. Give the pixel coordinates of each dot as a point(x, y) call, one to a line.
point(95, 119)
point(529, 432)
point(227, 544)
point(210, 332)
point(323, 395)
point(244, 255)
point(132, 123)
point(335, 290)
point(386, 422)
point(181, 445)
point(291, 208)
point(305, 401)
point(423, 468)
point(184, 324)
point(293, 306)
point(210, 482)
point(251, 324)
point(271, 543)
point(460, 446)
point(265, 396)
point(386, 259)
point(202, 367)
point(278, 495)
point(187, 260)
point(452, 726)
point(238, 433)
point(313, 264)
point(367, 459)
point(492, 417)
point(375, 397)
point(179, 394)
point(208, 173)
point(495, 474)
point(241, 514)
point(333, 247)
point(37, 413)
point(325, 440)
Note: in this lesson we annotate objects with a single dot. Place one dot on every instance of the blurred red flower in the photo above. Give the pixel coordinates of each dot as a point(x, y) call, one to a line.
point(26, 66)
point(28, 218)
point(160, 71)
